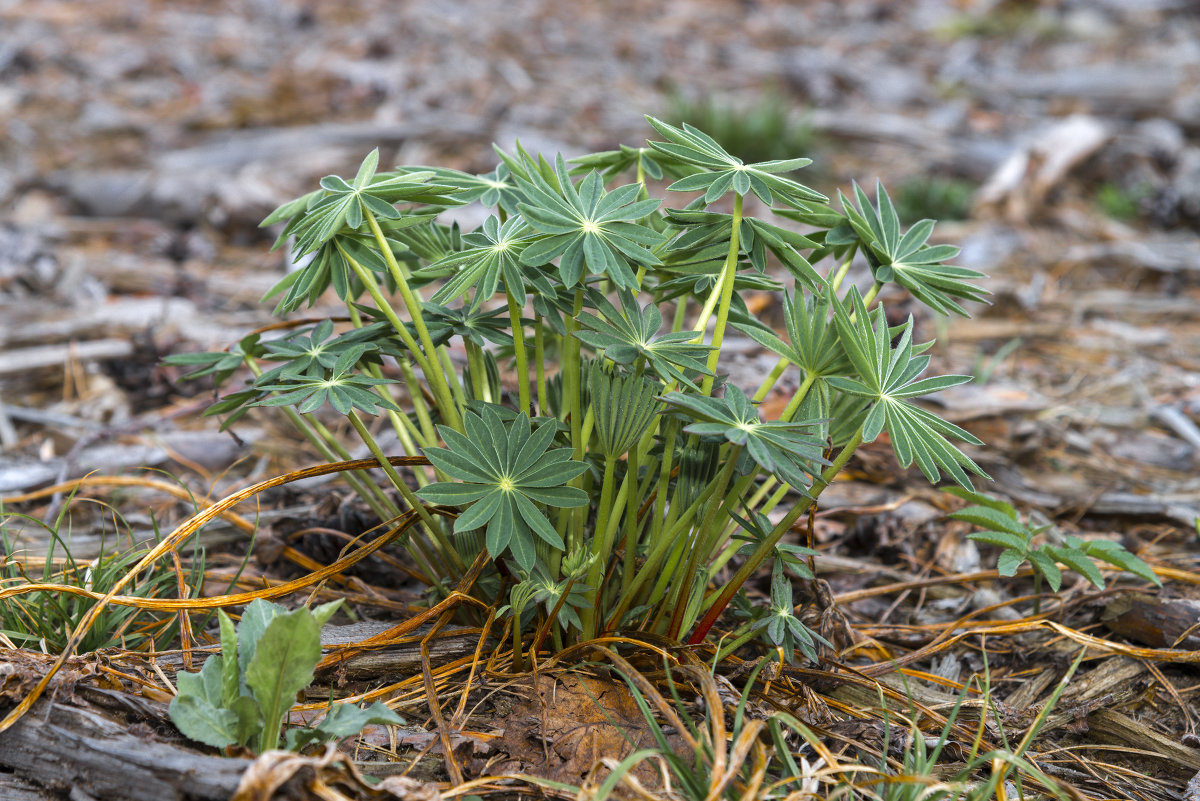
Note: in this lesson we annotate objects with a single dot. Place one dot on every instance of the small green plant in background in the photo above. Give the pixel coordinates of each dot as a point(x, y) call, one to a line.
point(934, 197)
point(1120, 202)
point(1003, 527)
point(610, 476)
point(244, 693)
point(45, 619)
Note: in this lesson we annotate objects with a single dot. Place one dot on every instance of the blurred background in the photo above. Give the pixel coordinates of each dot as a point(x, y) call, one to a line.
point(142, 141)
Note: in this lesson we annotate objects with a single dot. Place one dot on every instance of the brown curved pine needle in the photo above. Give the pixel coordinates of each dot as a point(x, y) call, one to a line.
point(133, 481)
point(1174, 655)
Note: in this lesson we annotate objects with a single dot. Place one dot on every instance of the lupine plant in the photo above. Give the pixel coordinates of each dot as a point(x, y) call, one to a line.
point(560, 368)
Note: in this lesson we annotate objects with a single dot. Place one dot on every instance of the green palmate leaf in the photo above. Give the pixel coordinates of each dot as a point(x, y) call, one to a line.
point(589, 230)
point(496, 188)
point(507, 473)
point(908, 259)
point(630, 336)
point(624, 407)
point(812, 345)
point(345, 204)
point(339, 387)
point(705, 239)
point(467, 322)
point(725, 172)
point(611, 163)
point(787, 450)
point(782, 627)
point(492, 255)
point(889, 377)
point(330, 267)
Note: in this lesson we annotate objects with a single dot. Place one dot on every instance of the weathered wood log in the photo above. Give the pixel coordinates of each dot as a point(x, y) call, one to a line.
point(1153, 621)
point(56, 750)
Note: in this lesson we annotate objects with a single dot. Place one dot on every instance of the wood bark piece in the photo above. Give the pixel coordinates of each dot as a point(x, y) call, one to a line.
point(24, 360)
point(1153, 622)
point(66, 749)
point(1177, 760)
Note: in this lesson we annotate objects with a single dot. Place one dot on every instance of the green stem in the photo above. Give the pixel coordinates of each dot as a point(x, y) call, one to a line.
point(336, 450)
point(631, 519)
point(871, 293)
point(445, 548)
point(522, 358)
point(436, 376)
point(417, 399)
point(680, 316)
point(404, 428)
point(703, 541)
point(771, 379)
point(571, 399)
point(539, 362)
point(789, 411)
point(601, 547)
point(332, 451)
point(835, 282)
point(664, 480)
point(674, 536)
point(717, 606)
point(479, 386)
point(456, 387)
point(728, 278)
point(419, 553)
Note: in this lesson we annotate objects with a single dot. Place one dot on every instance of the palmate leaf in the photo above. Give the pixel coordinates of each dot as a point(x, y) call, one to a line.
point(492, 256)
point(344, 204)
point(624, 407)
point(725, 172)
point(468, 323)
point(340, 387)
point(505, 473)
point(330, 267)
point(783, 628)
point(705, 230)
point(908, 259)
point(889, 377)
point(787, 450)
point(611, 163)
point(813, 343)
point(631, 334)
point(494, 189)
point(589, 230)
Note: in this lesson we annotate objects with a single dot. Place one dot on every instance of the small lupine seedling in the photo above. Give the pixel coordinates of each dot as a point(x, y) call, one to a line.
point(589, 437)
